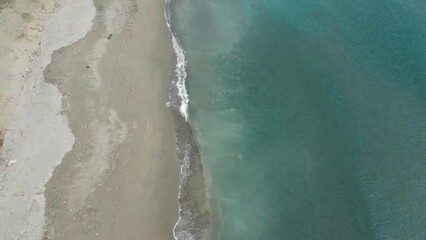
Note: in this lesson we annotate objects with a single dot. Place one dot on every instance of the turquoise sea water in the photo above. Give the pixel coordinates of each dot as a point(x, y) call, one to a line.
point(310, 116)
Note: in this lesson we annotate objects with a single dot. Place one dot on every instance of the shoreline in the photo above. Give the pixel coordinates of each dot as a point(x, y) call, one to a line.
point(198, 218)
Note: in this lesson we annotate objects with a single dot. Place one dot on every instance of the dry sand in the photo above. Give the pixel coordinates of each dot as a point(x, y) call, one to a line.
point(37, 135)
point(101, 102)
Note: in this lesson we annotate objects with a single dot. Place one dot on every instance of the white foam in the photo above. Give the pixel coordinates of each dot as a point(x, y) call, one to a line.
point(181, 230)
point(181, 74)
point(183, 225)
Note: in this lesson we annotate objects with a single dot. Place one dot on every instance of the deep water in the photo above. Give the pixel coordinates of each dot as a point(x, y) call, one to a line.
point(310, 115)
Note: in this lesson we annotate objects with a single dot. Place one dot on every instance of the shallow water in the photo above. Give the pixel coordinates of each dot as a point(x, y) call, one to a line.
point(310, 115)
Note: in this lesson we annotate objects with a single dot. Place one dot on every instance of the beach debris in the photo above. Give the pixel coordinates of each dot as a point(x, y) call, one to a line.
point(10, 163)
point(87, 66)
point(109, 37)
point(19, 194)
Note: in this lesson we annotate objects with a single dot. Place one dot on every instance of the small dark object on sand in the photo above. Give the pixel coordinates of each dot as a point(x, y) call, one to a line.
point(87, 66)
point(109, 37)
point(1, 138)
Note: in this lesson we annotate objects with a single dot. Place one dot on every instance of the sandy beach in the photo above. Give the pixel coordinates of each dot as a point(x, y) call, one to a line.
point(88, 142)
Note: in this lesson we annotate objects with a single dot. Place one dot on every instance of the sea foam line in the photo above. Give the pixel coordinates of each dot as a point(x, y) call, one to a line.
point(181, 230)
point(183, 224)
point(180, 70)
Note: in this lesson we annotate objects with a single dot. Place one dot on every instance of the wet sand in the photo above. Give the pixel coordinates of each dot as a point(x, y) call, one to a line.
point(120, 181)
